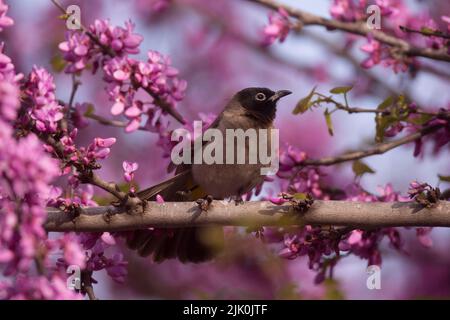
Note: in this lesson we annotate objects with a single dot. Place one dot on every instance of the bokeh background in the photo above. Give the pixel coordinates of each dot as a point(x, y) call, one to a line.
point(216, 45)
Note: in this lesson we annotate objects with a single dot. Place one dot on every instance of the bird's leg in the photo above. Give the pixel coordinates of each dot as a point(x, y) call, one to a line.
point(204, 203)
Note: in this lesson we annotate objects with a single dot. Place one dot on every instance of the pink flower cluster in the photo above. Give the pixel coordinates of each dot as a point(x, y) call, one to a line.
point(23, 189)
point(129, 168)
point(96, 245)
point(379, 53)
point(394, 14)
point(83, 157)
point(79, 49)
point(278, 27)
point(5, 21)
point(322, 246)
point(152, 6)
point(24, 185)
point(44, 110)
point(88, 250)
point(9, 89)
point(37, 288)
point(124, 75)
point(348, 10)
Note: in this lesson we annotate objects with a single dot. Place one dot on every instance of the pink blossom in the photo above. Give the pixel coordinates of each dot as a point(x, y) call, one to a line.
point(373, 48)
point(278, 27)
point(4, 20)
point(423, 235)
point(45, 110)
point(73, 252)
point(277, 200)
point(108, 238)
point(348, 10)
point(129, 168)
point(159, 199)
point(446, 19)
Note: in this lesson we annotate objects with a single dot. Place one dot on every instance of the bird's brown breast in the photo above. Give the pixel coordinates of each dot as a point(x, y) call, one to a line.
point(222, 180)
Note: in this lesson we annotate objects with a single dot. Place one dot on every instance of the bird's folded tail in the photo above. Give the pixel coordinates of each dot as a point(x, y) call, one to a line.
point(190, 244)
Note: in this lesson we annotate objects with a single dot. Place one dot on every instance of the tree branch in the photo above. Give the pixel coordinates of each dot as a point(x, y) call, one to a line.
point(109, 122)
point(377, 149)
point(253, 213)
point(358, 28)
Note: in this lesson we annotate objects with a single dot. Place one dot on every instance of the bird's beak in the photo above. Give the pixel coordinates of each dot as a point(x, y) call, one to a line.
point(279, 94)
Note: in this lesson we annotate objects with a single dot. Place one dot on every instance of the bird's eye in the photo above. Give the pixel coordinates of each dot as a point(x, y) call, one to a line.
point(260, 96)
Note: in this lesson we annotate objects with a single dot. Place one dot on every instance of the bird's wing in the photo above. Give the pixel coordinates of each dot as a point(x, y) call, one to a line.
point(163, 187)
point(181, 182)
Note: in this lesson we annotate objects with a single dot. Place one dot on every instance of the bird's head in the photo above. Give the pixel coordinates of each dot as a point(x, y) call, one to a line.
point(260, 102)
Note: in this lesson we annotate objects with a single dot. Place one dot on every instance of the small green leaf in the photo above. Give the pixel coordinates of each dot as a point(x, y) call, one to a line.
point(382, 123)
point(428, 31)
point(339, 90)
point(300, 196)
point(360, 168)
point(328, 121)
point(444, 178)
point(420, 120)
point(90, 110)
point(58, 64)
point(333, 290)
point(304, 104)
point(386, 103)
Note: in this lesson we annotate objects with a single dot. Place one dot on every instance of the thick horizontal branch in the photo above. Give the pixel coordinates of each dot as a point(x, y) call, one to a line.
point(254, 213)
point(359, 28)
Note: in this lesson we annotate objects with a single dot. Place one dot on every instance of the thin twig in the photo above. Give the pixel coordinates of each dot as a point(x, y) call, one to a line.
point(358, 28)
point(427, 33)
point(86, 281)
point(378, 149)
point(109, 122)
point(75, 84)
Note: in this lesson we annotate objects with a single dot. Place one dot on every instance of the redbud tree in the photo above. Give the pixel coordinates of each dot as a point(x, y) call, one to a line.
point(87, 113)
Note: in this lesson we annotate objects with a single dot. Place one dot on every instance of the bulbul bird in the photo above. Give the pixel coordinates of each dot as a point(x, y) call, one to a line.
point(249, 108)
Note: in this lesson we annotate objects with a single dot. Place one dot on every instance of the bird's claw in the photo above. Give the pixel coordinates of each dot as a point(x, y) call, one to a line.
point(204, 203)
point(107, 216)
point(238, 200)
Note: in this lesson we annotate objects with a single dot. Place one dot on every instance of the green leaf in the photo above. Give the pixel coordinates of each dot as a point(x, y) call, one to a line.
point(89, 110)
point(382, 123)
point(304, 104)
point(360, 168)
point(428, 31)
point(333, 290)
point(300, 196)
point(386, 103)
point(328, 121)
point(444, 178)
point(58, 64)
point(339, 90)
point(420, 120)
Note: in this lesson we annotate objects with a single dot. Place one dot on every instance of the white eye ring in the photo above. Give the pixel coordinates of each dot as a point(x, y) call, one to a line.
point(260, 96)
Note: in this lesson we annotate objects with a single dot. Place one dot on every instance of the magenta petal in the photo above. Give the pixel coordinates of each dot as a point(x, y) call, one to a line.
point(133, 112)
point(355, 237)
point(120, 75)
point(108, 238)
point(117, 108)
point(133, 125)
point(159, 199)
